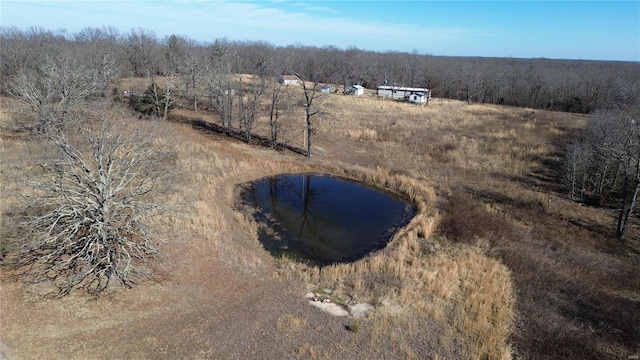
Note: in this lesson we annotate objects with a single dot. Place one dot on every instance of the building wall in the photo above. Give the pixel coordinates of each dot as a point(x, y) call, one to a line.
point(355, 91)
point(418, 99)
point(393, 94)
point(399, 92)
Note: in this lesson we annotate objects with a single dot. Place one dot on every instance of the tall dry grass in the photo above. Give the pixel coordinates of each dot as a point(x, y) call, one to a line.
point(509, 160)
point(415, 276)
point(451, 133)
point(499, 172)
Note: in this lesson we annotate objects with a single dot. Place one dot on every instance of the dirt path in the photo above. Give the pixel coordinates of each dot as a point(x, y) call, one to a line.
point(235, 317)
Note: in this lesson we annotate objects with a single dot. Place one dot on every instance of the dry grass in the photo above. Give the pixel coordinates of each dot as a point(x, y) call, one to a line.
point(418, 280)
point(410, 273)
point(492, 237)
point(500, 170)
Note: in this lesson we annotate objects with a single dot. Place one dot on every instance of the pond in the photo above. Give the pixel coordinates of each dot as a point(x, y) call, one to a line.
point(322, 219)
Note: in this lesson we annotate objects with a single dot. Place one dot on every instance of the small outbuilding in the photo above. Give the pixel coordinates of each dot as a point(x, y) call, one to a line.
point(418, 98)
point(356, 90)
point(288, 79)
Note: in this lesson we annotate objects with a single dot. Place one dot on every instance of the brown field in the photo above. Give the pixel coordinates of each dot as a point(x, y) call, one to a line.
point(497, 264)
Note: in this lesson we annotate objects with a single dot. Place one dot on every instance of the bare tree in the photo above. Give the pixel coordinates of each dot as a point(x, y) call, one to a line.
point(391, 69)
point(24, 49)
point(412, 66)
point(102, 51)
point(249, 102)
point(625, 150)
point(173, 50)
point(184, 58)
point(85, 223)
point(275, 110)
point(606, 163)
point(17, 53)
point(469, 80)
point(53, 89)
point(192, 67)
point(311, 92)
point(250, 95)
point(219, 83)
point(348, 67)
point(143, 52)
point(577, 162)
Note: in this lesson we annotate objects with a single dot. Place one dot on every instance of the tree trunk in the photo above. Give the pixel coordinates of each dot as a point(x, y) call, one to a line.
point(309, 131)
point(273, 117)
point(623, 221)
point(195, 97)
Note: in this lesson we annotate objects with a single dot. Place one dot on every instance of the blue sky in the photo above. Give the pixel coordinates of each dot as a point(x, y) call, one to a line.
point(595, 30)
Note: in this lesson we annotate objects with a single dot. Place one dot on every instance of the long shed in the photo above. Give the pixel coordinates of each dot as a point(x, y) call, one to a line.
point(399, 92)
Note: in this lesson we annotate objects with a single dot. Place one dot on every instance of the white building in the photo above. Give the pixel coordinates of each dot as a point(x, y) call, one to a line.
point(288, 79)
point(355, 90)
point(398, 92)
point(418, 98)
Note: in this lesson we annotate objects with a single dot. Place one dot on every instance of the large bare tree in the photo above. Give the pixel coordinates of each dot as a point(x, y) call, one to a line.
point(275, 112)
point(143, 52)
point(84, 227)
point(312, 69)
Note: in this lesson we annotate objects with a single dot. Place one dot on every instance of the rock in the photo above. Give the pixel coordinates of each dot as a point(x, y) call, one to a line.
point(331, 308)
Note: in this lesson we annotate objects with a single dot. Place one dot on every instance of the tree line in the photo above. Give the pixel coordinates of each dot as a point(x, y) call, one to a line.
point(561, 85)
point(603, 166)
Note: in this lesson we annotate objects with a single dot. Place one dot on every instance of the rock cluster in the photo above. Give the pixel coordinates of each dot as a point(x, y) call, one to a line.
point(337, 305)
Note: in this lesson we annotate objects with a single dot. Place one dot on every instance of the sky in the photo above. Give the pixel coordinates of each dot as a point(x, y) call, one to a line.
point(591, 30)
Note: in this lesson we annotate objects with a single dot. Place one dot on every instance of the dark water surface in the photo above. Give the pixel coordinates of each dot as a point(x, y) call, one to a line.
point(323, 219)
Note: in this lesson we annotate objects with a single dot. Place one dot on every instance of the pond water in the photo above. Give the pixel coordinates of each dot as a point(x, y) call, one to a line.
point(323, 219)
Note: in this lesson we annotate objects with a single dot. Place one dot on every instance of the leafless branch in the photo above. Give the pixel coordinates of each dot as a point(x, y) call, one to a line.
point(88, 209)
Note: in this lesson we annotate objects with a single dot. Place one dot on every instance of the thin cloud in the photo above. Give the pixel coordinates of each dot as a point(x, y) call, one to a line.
point(315, 8)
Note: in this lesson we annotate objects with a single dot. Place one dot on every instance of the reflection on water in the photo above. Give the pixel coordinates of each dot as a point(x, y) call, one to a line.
point(323, 219)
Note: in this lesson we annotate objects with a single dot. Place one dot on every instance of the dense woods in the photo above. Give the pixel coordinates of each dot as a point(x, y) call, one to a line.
point(603, 168)
point(563, 85)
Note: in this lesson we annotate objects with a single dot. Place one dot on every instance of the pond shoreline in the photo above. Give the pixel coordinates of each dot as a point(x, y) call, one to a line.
point(335, 219)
